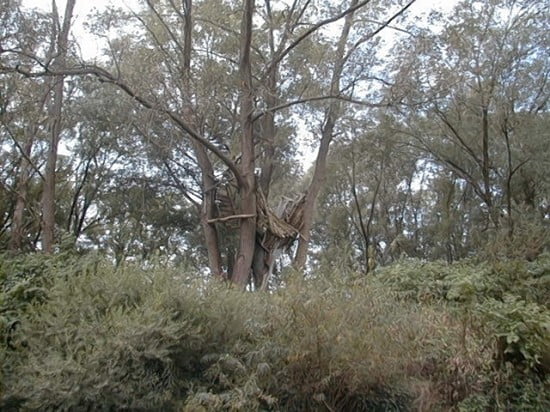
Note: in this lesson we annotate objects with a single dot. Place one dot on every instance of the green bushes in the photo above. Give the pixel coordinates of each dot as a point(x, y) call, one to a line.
point(155, 340)
point(505, 306)
point(97, 337)
point(468, 280)
point(522, 332)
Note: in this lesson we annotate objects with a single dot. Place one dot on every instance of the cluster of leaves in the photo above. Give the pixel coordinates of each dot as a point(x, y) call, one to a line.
point(504, 304)
point(154, 339)
point(469, 281)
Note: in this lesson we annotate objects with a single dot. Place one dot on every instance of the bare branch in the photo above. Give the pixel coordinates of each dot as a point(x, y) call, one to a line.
point(22, 151)
point(316, 99)
point(383, 25)
point(232, 217)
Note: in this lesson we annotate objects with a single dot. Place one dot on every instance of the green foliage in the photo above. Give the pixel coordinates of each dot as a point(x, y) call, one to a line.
point(513, 393)
point(152, 339)
point(25, 280)
point(418, 280)
point(503, 305)
point(522, 330)
point(469, 281)
point(156, 338)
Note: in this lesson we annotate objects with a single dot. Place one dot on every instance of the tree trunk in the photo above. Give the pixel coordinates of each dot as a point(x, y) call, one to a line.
point(17, 234)
point(247, 229)
point(208, 181)
point(263, 258)
point(207, 210)
point(55, 118)
point(485, 169)
point(319, 174)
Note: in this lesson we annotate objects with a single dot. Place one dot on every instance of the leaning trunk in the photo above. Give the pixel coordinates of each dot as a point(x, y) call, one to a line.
point(326, 138)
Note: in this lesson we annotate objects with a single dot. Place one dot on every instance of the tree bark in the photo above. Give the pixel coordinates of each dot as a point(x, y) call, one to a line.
point(17, 234)
point(485, 169)
point(263, 259)
point(55, 119)
point(247, 229)
point(207, 210)
point(332, 115)
point(208, 181)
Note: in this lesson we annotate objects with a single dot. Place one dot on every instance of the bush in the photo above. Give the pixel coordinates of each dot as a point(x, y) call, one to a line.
point(469, 281)
point(522, 332)
point(159, 338)
point(153, 339)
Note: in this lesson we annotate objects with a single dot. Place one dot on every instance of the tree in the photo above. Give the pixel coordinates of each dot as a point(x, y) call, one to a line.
point(470, 92)
point(238, 160)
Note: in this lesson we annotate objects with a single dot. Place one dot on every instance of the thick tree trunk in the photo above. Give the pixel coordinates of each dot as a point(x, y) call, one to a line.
point(55, 112)
point(247, 229)
point(207, 210)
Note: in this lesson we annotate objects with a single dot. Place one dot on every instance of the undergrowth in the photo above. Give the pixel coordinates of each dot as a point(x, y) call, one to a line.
point(80, 334)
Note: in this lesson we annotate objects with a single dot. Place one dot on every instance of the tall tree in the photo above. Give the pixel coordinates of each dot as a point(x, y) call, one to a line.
point(232, 125)
point(60, 45)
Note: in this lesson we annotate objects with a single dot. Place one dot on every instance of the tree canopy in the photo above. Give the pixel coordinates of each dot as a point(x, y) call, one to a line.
point(186, 136)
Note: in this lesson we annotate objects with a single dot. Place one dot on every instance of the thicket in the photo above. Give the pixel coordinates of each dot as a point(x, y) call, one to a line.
point(80, 334)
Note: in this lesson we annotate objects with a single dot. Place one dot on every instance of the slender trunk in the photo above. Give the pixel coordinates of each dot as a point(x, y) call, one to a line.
point(485, 168)
point(269, 132)
point(55, 115)
point(509, 180)
point(208, 181)
point(317, 182)
point(319, 174)
point(74, 214)
point(264, 257)
point(364, 231)
point(247, 230)
point(17, 234)
point(48, 193)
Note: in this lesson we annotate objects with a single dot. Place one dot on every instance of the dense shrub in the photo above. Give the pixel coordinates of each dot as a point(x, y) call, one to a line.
point(503, 304)
point(522, 330)
point(153, 339)
point(161, 338)
point(468, 281)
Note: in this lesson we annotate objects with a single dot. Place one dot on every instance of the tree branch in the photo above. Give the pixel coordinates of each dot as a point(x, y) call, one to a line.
point(105, 77)
point(316, 99)
point(312, 30)
point(232, 217)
